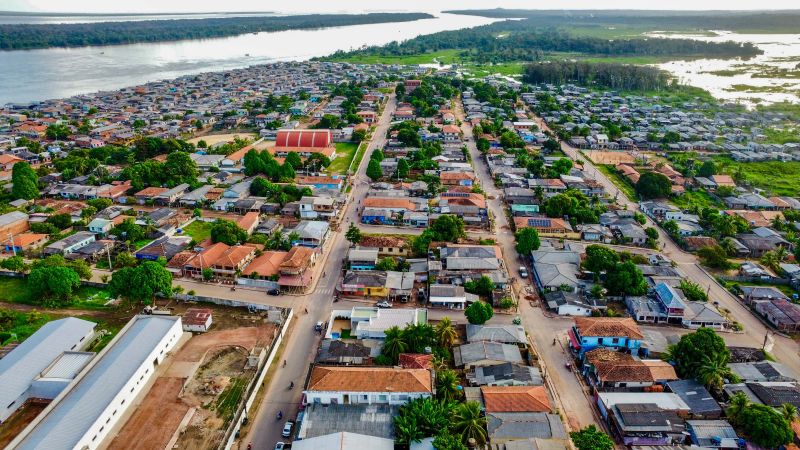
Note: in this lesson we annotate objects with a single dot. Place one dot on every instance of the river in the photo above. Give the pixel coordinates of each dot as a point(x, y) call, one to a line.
point(771, 77)
point(32, 75)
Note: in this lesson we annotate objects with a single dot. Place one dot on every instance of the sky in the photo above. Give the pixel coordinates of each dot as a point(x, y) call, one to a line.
point(313, 6)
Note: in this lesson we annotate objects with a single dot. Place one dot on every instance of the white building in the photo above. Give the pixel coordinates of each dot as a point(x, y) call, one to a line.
point(25, 363)
point(371, 323)
point(82, 416)
point(197, 320)
point(344, 441)
point(367, 385)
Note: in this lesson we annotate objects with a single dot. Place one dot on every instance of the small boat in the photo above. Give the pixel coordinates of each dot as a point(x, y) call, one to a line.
point(247, 54)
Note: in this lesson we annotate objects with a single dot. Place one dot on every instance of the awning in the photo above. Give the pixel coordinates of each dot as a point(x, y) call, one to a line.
point(295, 280)
point(573, 340)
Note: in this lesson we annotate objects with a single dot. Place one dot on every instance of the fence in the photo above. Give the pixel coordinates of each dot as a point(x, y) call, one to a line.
point(766, 280)
point(224, 302)
point(261, 284)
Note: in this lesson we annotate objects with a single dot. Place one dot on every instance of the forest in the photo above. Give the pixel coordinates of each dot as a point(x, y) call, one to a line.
point(602, 75)
point(524, 41)
point(30, 36)
point(764, 21)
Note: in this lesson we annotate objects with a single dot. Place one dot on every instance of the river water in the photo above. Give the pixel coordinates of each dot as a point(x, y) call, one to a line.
point(31, 75)
point(780, 51)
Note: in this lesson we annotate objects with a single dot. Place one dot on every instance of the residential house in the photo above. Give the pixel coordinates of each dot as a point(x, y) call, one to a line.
point(372, 323)
point(516, 399)
point(362, 258)
point(505, 374)
point(484, 353)
point(554, 269)
point(611, 332)
point(13, 223)
point(70, 244)
point(701, 403)
point(613, 370)
point(504, 334)
point(367, 385)
point(294, 273)
point(713, 434)
point(25, 241)
point(311, 233)
point(449, 296)
point(266, 266)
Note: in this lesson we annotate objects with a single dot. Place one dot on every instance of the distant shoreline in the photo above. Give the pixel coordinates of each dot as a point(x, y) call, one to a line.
point(74, 14)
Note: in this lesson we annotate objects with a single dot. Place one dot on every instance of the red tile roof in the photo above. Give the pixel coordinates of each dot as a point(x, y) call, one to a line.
point(516, 399)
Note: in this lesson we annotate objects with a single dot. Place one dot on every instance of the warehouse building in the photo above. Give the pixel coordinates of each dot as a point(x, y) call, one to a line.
point(26, 362)
point(88, 409)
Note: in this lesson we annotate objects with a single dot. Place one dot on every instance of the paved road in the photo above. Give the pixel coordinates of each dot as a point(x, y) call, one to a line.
point(541, 329)
point(785, 349)
point(302, 342)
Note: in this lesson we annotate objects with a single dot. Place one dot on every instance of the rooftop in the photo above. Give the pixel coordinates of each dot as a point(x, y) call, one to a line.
point(369, 379)
point(516, 399)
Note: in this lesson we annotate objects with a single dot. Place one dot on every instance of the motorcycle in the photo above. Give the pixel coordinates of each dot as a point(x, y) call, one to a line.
point(291, 385)
point(279, 416)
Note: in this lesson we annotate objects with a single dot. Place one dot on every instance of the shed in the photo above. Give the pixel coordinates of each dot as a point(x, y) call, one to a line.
point(197, 320)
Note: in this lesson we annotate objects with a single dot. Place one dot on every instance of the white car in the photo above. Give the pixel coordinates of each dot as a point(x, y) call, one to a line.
point(384, 304)
point(523, 272)
point(287, 429)
point(280, 446)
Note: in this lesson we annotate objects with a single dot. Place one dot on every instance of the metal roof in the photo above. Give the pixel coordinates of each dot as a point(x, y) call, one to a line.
point(344, 441)
point(70, 416)
point(68, 365)
point(26, 361)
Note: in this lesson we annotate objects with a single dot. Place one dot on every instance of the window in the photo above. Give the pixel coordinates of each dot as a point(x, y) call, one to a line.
point(102, 428)
point(615, 341)
point(131, 389)
point(95, 437)
point(114, 413)
point(11, 404)
point(122, 402)
point(108, 420)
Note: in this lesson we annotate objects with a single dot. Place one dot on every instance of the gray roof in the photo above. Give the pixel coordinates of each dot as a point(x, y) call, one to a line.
point(512, 426)
point(362, 254)
point(312, 229)
point(71, 240)
point(761, 371)
point(344, 441)
point(458, 263)
point(706, 432)
point(507, 334)
point(13, 216)
point(468, 354)
point(370, 420)
point(64, 422)
point(506, 374)
point(32, 356)
point(696, 396)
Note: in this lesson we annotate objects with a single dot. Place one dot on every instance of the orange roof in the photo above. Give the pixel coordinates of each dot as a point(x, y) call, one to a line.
point(24, 240)
point(248, 220)
point(524, 222)
point(456, 175)
point(297, 257)
point(379, 202)
point(234, 256)
point(150, 192)
point(266, 265)
point(6, 159)
point(723, 180)
point(239, 154)
point(516, 399)
point(416, 361)
point(316, 180)
point(208, 256)
point(608, 327)
point(369, 379)
point(451, 129)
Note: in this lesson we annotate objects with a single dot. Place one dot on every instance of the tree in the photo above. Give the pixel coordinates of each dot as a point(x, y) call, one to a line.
point(626, 279)
point(527, 241)
point(479, 313)
point(406, 429)
point(388, 263)
point(53, 283)
point(14, 264)
point(695, 349)
point(208, 274)
point(772, 260)
point(693, 291)
point(789, 412)
point(713, 372)
point(483, 286)
point(394, 343)
point(707, 169)
point(100, 203)
point(142, 283)
point(25, 182)
point(651, 233)
point(227, 232)
point(653, 185)
point(60, 221)
point(294, 160)
point(671, 227)
point(590, 438)
point(125, 259)
point(765, 426)
point(358, 135)
point(129, 231)
point(448, 228)
point(714, 256)
point(57, 132)
point(374, 170)
point(445, 333)
point(600, 258)
point(446, 385)
point(446, 441)
point(402, 168)
point(738, 402)
point(353, 234)
point(469, 423)
point(562, 166)
point(181, 168)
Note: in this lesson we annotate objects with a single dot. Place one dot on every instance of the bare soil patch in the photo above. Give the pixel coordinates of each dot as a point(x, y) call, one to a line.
point(603, 157)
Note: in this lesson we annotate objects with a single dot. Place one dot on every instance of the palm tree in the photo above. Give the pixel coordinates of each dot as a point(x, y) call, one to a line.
point(394, 344)
point(713, 372)
point(446, 333)
point(406, 430)
point(789, 412)
point(468, 422)
point(770, 260)
point(738, 403)
point(446, 385)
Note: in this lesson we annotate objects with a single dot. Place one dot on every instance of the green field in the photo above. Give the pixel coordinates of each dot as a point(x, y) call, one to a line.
point(15, 290)
point(345, 151)
point(621, 183)
point(442, 56)
point(18, 325)
point(778, 178)
point(198, 230)
point(695, 200)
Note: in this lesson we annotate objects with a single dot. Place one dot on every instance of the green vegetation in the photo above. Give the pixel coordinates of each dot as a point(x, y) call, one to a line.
point(695, 201)
point(590, 438)
point(17, 325)
point(345, 152)
point(442, 57)
point(227, 232)
point(198, 230)
point(15, 290)
point(229, 399)
point(29, 36)
point(479, 312)
point(621, 183)
point(761, 174)
point(600, 74)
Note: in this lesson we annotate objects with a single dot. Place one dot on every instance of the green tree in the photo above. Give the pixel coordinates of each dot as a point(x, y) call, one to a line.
point(353, 234)
point(771, 260)
point(394, 343)
point(446, 441)
point(447, 385)
point(590, 438)
point(693, 291)
point(562, 166)
point(57, 132)
point(600, 258)
point(707, 169)
point(445, 333)
point(483, 286)
point(695, 349)
point(129, 231)
point(294, 160)
point(374, 170)
point(713, 372)
point(227, 232)
point(208, 274)
point(479, 313)
point(714, 256)
point(738, 402)
point(469, 423)
point(651, 233)
point(765, 426)
point(406, 429)
point(25, 182)
point(53, 283)
point(402, 168)
point(626, 279)
point(788, 411)
point(388, 263)
point(653, 185)
point(527, 241)
point(671, 227)
point(142, 283)
point(125, 259)
point(448, 227)
point(181, 168)
point(14, 264)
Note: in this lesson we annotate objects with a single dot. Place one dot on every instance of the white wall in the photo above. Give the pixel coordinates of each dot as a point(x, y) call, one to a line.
point(362, 398)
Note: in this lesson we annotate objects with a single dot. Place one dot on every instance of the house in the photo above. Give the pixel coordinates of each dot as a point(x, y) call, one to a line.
point(249, 222)
point(197, 320)
point(346, 353)
point(371, 323)
point(702, 315)
point(364, 283)
point(344, 441)
point(265, 266)
point(644, 423)
point(554, 269)
point(545, 226)
point(100, 226)
point(294, 271)
point(311, 233)
point(612, 332)
point(770, 393)
point(754, 294)
point(505, 374)
point(609, 369)
point(504, 334)
point(148, 194)
point(70, 243)
point(13, 223)
point(223, 260)
point(317, 207)
point(172, 195)
point(484, 353)
point(714, 434)
point(457, 178)
point(671, 302)
point(526, 431)
point(516, 399)
point(367, 385)
point(26, 241)
point(165, 247)
point(362, 258)
point(782, 314)
point(448, 296)
point(702, 405)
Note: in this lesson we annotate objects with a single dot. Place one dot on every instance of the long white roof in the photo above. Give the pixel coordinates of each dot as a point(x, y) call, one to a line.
point(24, 363)
point(81, 404)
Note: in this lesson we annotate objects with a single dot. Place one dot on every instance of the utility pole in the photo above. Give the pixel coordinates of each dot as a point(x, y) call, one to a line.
point(108, 253)
point(11, 240)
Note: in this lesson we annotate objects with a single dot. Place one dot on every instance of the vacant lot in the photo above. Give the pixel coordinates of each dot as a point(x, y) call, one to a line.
point(213, 139)
point(344, 155)
point(613, 158)
point(198, 230)
point(778, 178)
point(15, 290)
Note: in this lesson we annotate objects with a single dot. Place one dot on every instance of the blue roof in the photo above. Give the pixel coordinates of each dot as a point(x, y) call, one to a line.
point(669, 296)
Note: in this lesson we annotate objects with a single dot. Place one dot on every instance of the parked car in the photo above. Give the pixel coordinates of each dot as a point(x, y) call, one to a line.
point(280, 445)
point(523, 272)
point(318, 326)
point(287, 429)
point(384, 304)
point(274, 292)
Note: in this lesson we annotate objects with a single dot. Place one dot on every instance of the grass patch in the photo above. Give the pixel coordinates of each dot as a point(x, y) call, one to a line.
point(778, 178)
point(507, 69)
point(15, 290)
point(346, 334)
point(345, 151)
point(695, 201)
point(198, 230)
point(16, 326)
point(443, 56)
point(621, 184)
point(362, 149)
point(229, 398)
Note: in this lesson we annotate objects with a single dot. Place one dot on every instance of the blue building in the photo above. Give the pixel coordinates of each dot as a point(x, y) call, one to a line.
point(609, 332)
point(362, 258)
point(672, 305)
